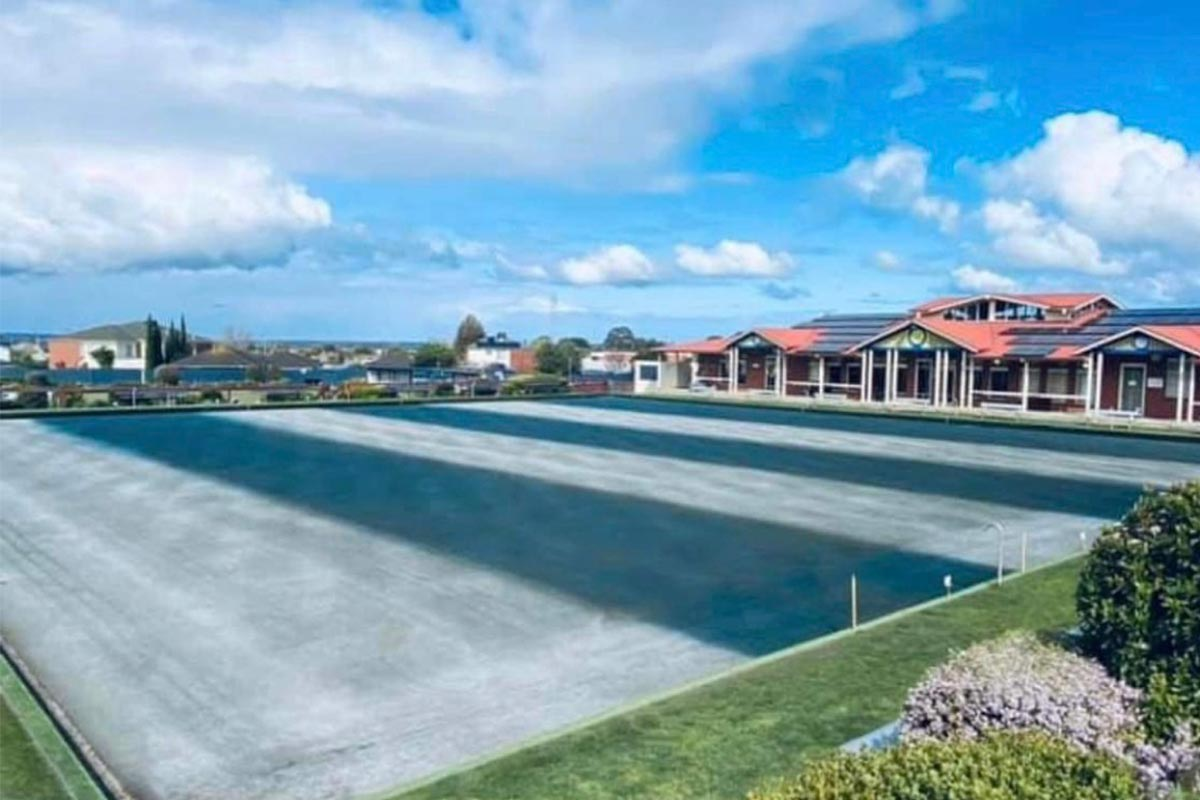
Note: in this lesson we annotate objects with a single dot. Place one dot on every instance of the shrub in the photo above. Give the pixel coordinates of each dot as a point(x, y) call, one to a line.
point(1139, 602)
point(1017, 683)
point(1000, 766)
point(537, 383)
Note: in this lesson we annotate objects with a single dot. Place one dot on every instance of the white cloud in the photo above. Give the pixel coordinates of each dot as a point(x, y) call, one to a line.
point(959, 72)
point(534, 89)
point(977, 279)
point(887, 260)
point(984, 101)
point(618, 264)
point(912, 85)
point(1023, 235)
point(1116, 183)
point(897, 179)
point(727, 258)
point(92, 209)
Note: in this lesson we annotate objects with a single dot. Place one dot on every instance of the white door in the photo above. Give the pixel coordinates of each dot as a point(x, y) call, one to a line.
point(1133, 388)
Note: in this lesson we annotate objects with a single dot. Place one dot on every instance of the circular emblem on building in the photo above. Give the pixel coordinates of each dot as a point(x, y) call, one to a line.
point(917, 337)
point(1141, 342)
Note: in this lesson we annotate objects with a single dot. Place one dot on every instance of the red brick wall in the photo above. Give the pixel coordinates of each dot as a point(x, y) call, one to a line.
point(1158, 405)
point(524, 361)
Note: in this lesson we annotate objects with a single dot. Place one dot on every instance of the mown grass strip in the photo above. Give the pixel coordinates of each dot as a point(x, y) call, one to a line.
point(723, 738)
point(35, 762)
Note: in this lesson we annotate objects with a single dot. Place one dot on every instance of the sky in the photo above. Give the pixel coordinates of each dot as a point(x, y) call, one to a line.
point(683, 167)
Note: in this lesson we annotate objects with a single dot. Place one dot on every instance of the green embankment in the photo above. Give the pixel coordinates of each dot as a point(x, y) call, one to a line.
point(725, 737)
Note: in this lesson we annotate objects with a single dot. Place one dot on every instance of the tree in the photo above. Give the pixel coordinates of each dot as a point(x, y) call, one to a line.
point(171, 344)
point(620, 338)
point(470, 331)
point(152, 356)
point(560, 358)
point(185, 345)
point(262, 372)
point(104, 356)
point(434, 354)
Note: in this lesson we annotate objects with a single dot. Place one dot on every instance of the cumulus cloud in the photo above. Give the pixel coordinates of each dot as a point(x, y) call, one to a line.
point(970, 278)
point(620, 264)
point(984, 101)
point(897, 180)
point(91, 209)
point(1029, 239)
point(732, 258)
point(503, 87)
point(1116, 183)
point(886, 260)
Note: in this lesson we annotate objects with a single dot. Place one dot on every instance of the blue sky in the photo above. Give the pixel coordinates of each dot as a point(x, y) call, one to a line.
point(376, 171)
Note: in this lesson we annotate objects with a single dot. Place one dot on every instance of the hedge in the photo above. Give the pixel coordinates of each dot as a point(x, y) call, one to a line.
point(1000, 766)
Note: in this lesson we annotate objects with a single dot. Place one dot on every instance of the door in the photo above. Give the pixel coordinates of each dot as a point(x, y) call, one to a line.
point(1133, 388)
point(924, 372)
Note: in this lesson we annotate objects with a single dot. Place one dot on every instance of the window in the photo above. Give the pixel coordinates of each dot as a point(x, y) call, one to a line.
point(1171, 386)
point(1056, 380)
point(648, 373)
point(814, 370)
point(999, 379)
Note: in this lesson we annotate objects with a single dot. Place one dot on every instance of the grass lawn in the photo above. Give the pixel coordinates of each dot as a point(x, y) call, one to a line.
point(724, 738)
point(35, 763)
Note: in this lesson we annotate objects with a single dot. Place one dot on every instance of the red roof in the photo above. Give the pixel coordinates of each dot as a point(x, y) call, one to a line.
point(1185, 337)
point(700, 346)
point(791, 339)
point(1055, 300)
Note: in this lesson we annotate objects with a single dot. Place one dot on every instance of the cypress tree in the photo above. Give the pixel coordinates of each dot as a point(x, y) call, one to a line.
point(185, 347)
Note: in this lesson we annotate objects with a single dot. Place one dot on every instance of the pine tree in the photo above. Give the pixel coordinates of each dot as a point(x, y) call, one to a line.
point(185, 347)
point(152, 356)
point(470, 331)
point(171, 346)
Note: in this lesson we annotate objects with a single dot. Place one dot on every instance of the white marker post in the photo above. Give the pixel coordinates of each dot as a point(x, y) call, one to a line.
point(948, 582)
point(853, 602)
point(1083, 541)
point(1024, 550)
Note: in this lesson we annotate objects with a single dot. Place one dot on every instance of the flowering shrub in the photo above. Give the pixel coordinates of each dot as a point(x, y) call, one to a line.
point(999, 766)
point(1139, 603)
point(1017, 683)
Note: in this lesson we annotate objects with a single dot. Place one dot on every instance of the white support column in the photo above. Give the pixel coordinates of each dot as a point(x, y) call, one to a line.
point(970, 398)
point(862, 376)
point(1191, 410)
point(1183, 362)
point(1089, 372)
point(868, 375)
point(782, 373)
point(895, 375)
point(946, 378)
point(962, 380)
point(779, 371)
point(1024, 384)
point(889, 369)
point(1098, 382)
point(731, 384)
point(935, 380)
point(820, 377)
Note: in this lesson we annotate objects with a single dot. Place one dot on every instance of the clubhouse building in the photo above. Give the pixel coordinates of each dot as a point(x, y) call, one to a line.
point(1071, 353)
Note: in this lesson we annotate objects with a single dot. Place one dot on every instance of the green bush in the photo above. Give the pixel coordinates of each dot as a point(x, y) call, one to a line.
point(1139, 603)
point(1002, 766)
point(538, 383)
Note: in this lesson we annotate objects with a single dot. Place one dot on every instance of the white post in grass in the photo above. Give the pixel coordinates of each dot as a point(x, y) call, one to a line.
point(1024, 550)
point(948, 582)
point(999, 551)
point(1083, 541)
point(853, 601)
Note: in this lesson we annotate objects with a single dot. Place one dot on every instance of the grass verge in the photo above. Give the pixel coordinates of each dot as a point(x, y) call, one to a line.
point(724, 738)
point(35, 762)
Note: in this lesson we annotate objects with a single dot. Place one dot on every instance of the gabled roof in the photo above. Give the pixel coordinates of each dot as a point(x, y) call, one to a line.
point(233, 358)
point(1059, 301)
point(700, 347)
point(791, 340)
point(393, 360)
point(1183, 337)
point(118, 332)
